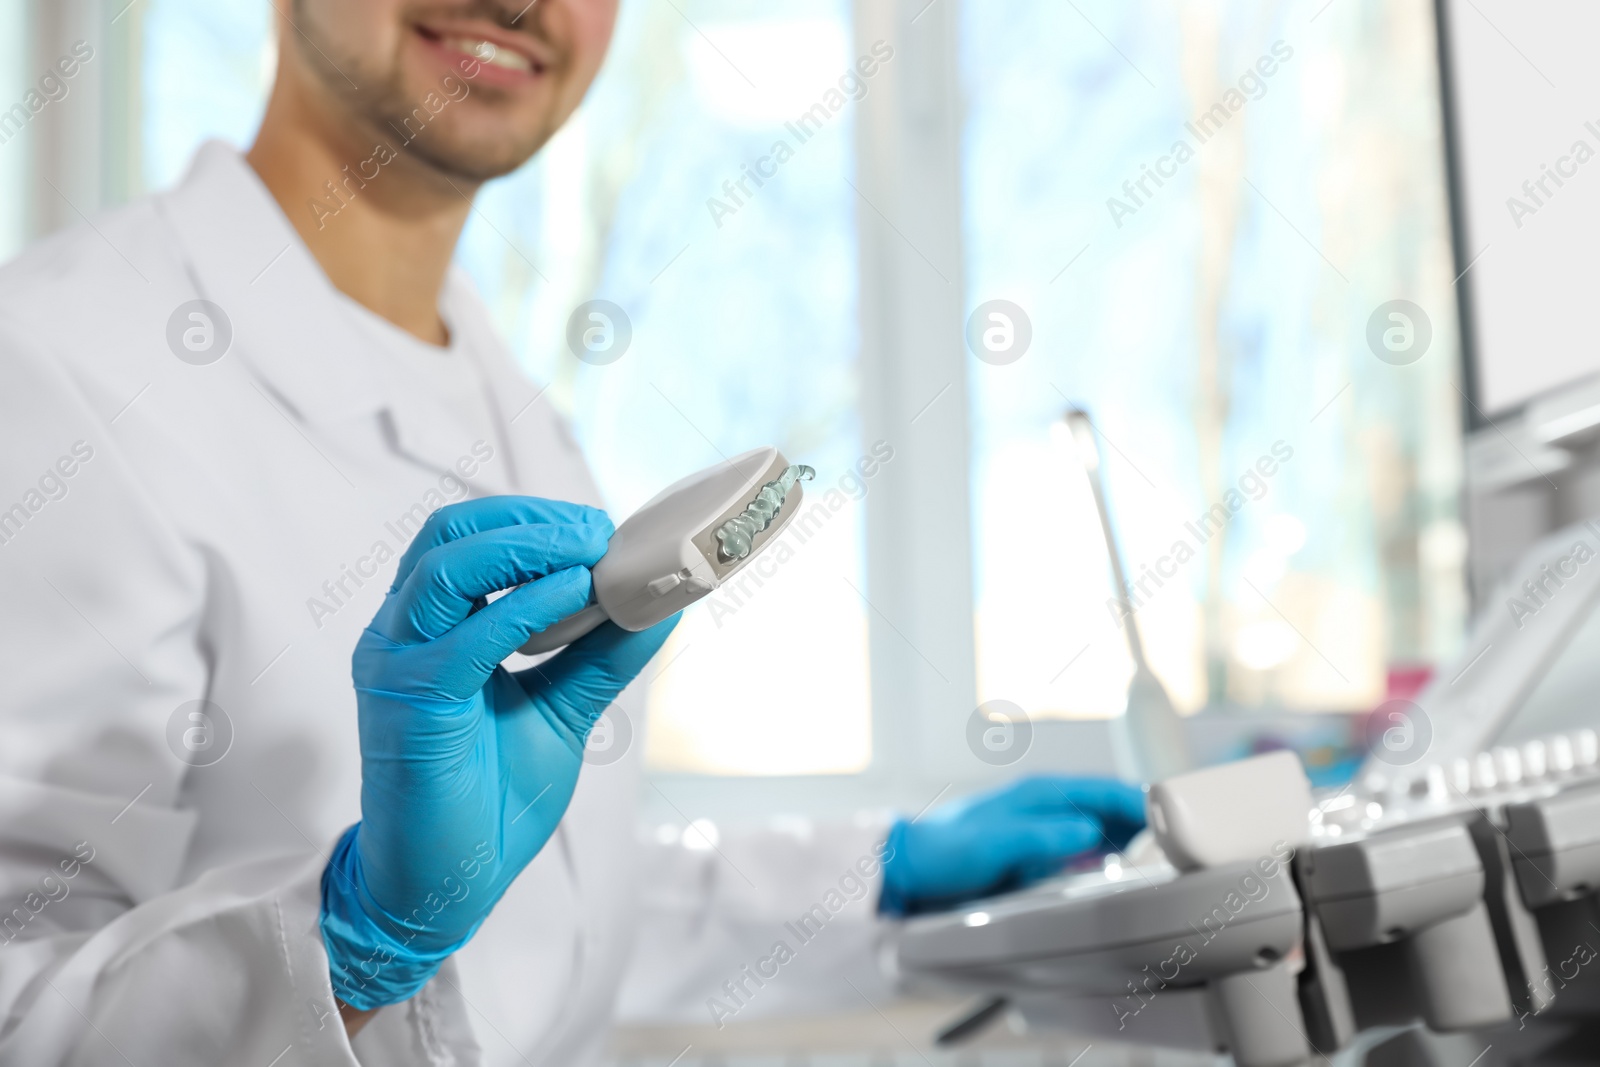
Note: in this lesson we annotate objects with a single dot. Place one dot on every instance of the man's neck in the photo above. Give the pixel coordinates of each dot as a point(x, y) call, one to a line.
point(384, 233)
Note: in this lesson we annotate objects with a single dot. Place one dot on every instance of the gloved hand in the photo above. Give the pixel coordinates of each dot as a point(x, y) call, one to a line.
point(1004, 839)
point(466, 768)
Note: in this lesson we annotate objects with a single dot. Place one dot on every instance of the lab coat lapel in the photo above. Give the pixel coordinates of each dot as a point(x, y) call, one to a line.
point(244, 256)
point(289, 328)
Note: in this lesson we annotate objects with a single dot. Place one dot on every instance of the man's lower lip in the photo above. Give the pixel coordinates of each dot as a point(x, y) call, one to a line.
point(485, 72)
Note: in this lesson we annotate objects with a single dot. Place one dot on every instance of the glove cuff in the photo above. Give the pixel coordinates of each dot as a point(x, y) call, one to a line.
point(371, 966)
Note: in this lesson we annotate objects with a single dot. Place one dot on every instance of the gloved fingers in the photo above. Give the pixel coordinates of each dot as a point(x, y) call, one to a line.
point(456, 521)
point(488, 636)
point(446, 582)
point(454, 668)
point(1120, 807)
point(1120, 834)
point(581, 681)
point(1050, 841)
point(1105, 799)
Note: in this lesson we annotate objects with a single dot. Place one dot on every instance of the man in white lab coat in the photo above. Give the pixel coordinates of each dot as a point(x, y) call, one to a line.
point(225, 412)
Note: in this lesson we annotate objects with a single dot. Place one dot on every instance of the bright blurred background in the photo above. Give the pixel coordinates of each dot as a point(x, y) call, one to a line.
point(1209, 321)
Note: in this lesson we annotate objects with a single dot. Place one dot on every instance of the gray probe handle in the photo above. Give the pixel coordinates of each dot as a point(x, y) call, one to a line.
point(1262, 1013)
point(1457, 966)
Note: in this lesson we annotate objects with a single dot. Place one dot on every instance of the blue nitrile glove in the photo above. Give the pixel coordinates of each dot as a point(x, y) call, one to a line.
point(1004, 839)
point(466, 768)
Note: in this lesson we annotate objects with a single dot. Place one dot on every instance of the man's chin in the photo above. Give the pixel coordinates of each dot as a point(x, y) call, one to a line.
point(475, 161)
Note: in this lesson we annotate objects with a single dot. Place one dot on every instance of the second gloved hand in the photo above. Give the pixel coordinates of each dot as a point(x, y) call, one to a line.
point(1004, 839)
point(466, 768)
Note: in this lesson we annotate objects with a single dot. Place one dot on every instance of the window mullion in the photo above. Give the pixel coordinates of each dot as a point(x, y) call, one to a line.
point(914, 395)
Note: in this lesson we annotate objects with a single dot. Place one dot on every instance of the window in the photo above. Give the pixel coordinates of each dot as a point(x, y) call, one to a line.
point(205, 72)
point(1198, 211)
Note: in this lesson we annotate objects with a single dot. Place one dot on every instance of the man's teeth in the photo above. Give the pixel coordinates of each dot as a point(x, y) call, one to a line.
point(486, 52)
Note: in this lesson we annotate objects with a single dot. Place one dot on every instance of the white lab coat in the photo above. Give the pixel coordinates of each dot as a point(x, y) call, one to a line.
point(166, 532)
